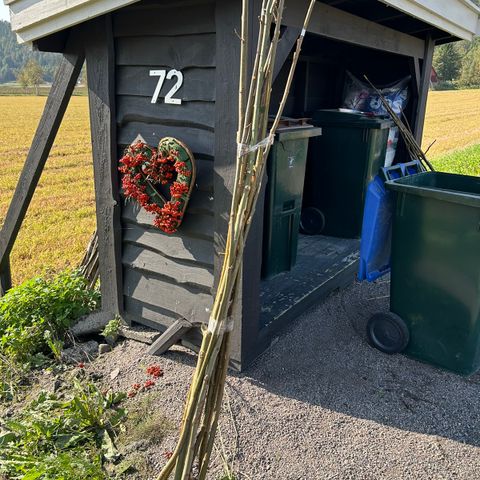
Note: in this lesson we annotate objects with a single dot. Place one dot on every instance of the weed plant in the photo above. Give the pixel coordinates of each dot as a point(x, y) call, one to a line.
point(34, 319)
point(40, 305)
point(56, 439)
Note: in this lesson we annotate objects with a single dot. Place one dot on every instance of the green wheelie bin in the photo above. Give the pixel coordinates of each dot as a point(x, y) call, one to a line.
point(283, 197)
point(341, 164)
point(435, 271)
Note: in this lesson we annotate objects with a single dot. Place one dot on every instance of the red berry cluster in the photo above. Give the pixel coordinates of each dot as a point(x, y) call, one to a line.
point(154, 371)
point(169, 217)
point(148, 384)
point(144, 167)
point(162, 168)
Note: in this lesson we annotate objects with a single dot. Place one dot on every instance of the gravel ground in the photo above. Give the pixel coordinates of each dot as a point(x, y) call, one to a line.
point(322, 404)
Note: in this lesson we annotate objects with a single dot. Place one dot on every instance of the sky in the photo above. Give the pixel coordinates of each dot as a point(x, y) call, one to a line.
point(4, 12)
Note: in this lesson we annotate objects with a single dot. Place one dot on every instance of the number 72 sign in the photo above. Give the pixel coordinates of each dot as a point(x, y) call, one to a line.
point(162, 76)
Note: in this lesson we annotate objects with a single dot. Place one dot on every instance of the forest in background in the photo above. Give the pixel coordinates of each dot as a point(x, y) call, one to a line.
point(457, 65)
point(13, 57)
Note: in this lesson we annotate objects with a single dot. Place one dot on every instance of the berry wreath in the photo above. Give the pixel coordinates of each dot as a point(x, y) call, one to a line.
point(145, 168)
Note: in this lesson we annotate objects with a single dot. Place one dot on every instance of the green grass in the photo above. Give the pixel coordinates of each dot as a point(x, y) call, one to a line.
point(465, 161)
point(15, 89)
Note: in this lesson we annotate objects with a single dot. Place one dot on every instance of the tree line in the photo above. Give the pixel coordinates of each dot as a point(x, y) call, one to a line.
point(14, 57)
point(458, 65)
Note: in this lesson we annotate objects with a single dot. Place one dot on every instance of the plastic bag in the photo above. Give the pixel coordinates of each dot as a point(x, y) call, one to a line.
point(358, 95)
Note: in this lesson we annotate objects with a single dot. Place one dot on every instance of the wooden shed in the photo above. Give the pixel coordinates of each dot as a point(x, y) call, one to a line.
point(167, 281)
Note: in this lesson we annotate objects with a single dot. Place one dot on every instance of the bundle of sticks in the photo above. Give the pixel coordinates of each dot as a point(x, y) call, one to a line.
point(89, 266)
point(205, 397)
point(413, 148)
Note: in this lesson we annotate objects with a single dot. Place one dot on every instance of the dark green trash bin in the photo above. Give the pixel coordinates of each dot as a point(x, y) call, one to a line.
point(435, 281)
point(341, 164)
point(283, 198)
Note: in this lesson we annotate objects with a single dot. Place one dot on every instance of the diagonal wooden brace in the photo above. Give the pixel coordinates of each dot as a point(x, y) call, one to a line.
point(47, 129)
point(171, 336)
point(285, 45)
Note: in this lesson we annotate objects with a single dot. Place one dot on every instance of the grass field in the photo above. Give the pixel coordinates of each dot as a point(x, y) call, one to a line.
point(61, 217)
point(465, 161)
point(43, 90)
point(453, 120)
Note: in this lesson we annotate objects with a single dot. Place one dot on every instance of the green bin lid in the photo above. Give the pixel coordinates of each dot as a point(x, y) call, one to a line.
point(447, 187)
point(349, 119)
point(295, 133)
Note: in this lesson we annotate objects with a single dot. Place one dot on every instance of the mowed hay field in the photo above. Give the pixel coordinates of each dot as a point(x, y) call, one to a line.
point(453, 122)
point(61, 217)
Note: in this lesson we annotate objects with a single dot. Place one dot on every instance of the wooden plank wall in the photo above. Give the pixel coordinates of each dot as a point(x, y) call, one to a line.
point(168, 276)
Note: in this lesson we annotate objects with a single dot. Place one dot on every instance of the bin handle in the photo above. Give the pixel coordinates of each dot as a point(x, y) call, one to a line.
point(393, 172)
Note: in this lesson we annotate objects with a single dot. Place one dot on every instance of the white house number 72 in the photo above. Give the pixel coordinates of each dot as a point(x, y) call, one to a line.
point(162, 76)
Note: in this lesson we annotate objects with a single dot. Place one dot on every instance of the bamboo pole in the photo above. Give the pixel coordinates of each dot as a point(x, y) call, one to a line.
point(204, 400)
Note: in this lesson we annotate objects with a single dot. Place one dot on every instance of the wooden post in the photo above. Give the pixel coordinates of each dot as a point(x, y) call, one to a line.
point(228, 52)
point(247, 308)
point(227, 13)
point(5, 276)
point(414, 64)
point(285, 45)
point(99, 52)
point(52, 116)
point(423, 90)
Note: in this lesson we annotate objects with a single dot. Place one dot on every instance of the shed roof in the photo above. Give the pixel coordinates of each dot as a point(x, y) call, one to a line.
point(35, 19)
point(461, 18)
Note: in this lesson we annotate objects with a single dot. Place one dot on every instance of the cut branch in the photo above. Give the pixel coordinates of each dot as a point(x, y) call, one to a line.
point(204, 400)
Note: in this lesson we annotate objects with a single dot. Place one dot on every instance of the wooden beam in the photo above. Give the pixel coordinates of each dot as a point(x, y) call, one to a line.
point(47, 129)
point(285, 45)
point(170, 337)
point(5, 277)
point(247, 337)
point(414, 65)
point(416, 73)
point(227, 59)
point(389, 18)
point(99, 52)
point(227, 15)
point(423, 90)
point(336, 24)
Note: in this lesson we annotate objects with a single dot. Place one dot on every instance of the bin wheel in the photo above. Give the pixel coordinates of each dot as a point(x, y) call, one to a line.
point(312, 221)
point(388, 333)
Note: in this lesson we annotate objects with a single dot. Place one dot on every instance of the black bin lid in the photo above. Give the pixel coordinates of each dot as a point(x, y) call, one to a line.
point(349, 119)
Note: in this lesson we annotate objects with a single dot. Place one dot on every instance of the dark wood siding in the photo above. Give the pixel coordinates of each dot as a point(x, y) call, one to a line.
point(168, 276)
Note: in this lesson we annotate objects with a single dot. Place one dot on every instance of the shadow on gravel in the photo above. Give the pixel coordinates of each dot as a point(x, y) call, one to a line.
point(324, 360)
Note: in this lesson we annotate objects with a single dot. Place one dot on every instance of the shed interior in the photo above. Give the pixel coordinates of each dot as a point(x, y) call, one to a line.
point(325, 263)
